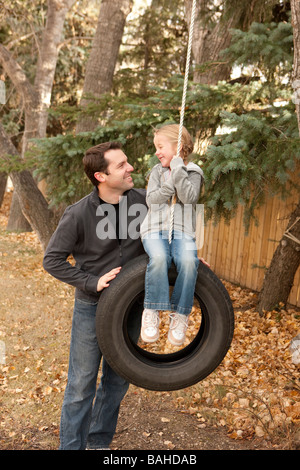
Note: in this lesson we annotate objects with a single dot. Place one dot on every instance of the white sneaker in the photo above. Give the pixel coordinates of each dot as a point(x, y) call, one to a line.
point(177, 329)
point(150, 325)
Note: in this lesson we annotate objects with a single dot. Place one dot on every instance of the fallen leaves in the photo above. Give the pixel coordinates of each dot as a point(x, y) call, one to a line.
point(256, 389)
point(255, 392)
point(34, 333)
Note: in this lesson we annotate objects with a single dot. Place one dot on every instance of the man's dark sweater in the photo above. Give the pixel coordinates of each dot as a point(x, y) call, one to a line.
point(81, 233)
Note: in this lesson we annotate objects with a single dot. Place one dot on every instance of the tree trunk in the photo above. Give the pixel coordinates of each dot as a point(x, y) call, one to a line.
point(17, 222)
point(3, 182)
point(295, 7)
point(47, 60)
point(212, 33)
point(24, 88)
point(34, 206)
point(285, 262)
point(32, 202)
point(104, 55)
point(36, 100)
point(209, 40)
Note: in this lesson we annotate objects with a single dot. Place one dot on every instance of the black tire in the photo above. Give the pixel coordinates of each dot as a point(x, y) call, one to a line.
point(123, 300)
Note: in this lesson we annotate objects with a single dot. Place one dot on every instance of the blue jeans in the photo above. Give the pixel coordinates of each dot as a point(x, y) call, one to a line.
point(183, 252)
point(85, 421)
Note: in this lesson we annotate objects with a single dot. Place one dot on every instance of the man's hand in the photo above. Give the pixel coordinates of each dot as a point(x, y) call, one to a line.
point(106, 278)
point(204, 262)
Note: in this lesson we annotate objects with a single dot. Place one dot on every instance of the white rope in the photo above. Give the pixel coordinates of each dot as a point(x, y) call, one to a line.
point(289, 235)
point(182, 111)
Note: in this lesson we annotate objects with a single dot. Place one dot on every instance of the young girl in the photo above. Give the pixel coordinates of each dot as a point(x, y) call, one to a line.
point(172, 176)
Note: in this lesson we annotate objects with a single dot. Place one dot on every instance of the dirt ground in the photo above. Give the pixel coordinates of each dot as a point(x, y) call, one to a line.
point(251, 402)
point(149, 421)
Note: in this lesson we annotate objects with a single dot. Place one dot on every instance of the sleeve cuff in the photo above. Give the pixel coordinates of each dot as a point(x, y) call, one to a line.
point(91, 284)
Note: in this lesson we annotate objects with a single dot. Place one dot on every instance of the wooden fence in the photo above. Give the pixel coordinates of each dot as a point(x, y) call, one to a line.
point(242, 259)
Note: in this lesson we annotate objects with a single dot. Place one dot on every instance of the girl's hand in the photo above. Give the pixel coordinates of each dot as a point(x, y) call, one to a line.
point(104, 280)
point(175, 156)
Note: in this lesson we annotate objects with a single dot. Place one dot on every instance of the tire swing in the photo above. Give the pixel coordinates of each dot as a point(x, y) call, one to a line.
point(119, 313)
point(118, 322)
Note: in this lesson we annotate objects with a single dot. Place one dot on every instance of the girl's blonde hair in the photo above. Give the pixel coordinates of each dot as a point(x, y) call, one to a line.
point(171, 131)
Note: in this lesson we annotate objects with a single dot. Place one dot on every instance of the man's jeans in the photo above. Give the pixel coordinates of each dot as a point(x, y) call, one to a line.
point(84, 423)
point(183, 252)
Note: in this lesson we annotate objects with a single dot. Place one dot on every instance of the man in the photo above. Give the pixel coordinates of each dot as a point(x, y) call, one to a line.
point(89, 416)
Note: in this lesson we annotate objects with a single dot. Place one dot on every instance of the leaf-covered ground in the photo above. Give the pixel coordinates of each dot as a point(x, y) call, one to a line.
point(252, 401)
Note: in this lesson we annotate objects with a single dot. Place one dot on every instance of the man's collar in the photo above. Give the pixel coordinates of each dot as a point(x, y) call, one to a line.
point(95, 196)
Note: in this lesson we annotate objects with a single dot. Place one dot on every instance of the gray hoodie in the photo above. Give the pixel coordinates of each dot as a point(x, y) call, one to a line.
point(185, 181)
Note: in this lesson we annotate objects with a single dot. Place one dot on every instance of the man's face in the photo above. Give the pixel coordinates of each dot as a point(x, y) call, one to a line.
point(119, 171)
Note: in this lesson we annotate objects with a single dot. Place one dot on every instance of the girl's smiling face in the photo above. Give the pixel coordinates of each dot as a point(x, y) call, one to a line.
point(165, 150)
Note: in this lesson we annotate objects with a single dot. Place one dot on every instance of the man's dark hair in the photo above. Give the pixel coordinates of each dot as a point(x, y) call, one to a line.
point(94, 159)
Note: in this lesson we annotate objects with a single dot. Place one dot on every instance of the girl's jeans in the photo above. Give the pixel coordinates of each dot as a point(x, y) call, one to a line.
point(84, 422)
point(183, 252)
